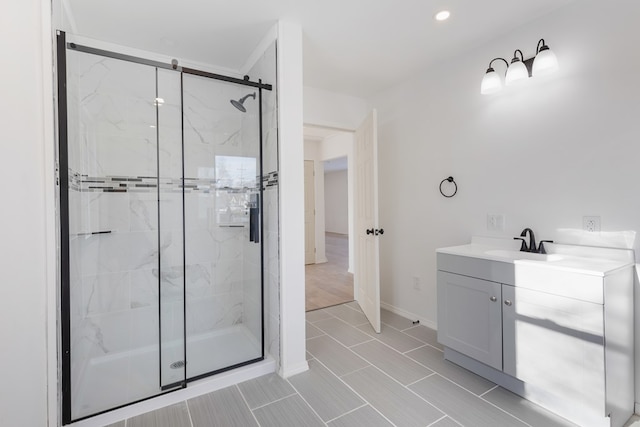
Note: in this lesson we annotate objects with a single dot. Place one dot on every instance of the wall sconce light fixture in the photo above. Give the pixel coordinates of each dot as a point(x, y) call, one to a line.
point(544, 62)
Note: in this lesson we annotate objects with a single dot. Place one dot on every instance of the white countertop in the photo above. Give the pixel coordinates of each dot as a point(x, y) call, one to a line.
point(578, 259)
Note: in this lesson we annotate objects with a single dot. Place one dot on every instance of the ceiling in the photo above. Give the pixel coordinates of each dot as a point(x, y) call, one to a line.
point(319, 133)
point(355, 47)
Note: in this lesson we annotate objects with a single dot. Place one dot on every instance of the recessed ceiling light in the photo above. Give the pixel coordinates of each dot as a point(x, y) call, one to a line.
point(443, 15)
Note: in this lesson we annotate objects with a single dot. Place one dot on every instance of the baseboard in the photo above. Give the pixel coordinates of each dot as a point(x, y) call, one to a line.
point(294, 370)
point(404, 313)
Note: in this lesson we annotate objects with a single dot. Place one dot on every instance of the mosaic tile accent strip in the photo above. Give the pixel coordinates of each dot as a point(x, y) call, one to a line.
point(270, 179)
point(148, 184)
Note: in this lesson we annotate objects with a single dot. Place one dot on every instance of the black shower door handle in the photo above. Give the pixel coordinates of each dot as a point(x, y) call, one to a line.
point(254, 219)
point(254, 225)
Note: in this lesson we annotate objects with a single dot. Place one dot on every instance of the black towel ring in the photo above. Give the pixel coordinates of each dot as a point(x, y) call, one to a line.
point(450, 179)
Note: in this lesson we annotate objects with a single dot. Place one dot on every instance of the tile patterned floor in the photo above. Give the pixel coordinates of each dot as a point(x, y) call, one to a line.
point(359, 378)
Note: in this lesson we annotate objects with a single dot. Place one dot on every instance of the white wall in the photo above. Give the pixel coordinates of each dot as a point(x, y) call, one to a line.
point(26, 172)
point(333, 110)
point(291, 178)
point(341, 145)
point(544, 154)
point(336, 197)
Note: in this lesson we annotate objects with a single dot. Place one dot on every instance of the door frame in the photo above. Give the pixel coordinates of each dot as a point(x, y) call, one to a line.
point(310, 205)
point(319, 156)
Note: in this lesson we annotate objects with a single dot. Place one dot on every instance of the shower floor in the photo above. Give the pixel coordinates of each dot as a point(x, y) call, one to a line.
point(118, 379)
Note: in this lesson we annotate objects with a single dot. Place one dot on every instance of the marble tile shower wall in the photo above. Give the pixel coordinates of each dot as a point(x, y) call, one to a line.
point(213, 128)
point(118, 236)
point(113, 230)
point(265, 68)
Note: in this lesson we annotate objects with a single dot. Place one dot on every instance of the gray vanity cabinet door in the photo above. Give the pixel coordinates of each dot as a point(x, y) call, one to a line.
point(556, 344)
point(470, 317)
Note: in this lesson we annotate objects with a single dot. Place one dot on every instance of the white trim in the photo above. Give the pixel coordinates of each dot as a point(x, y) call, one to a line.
point(294, 370)
point(197, 388)
point(411, 316)
point(318, 188)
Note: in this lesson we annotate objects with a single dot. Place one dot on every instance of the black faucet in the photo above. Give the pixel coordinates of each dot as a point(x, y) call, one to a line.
point(532, 241)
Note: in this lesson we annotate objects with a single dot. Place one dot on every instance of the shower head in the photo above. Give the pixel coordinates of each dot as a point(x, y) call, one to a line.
point(239, 103)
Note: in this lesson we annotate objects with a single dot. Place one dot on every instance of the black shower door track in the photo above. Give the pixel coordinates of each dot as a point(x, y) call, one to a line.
point(63, 177)
point(158, 64)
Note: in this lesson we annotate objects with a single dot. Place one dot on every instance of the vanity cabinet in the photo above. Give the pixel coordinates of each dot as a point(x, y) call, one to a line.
point(469, 317)
point(559, 335)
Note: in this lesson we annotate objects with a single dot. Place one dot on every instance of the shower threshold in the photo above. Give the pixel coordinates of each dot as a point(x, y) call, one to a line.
point(124, 376)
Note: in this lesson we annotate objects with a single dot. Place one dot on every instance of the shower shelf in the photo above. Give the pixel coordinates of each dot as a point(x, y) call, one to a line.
point(92, 233)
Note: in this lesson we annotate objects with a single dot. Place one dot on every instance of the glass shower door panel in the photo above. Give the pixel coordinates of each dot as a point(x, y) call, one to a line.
point(222, 225)
point(172, 340)
point(113, 232)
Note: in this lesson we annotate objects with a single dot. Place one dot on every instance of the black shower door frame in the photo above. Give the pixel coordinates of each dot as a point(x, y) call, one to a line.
point(63, 183)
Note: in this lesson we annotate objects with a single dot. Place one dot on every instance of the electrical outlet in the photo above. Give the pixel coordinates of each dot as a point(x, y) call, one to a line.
point(591, 223)
point(416, 283)
point(495, 222)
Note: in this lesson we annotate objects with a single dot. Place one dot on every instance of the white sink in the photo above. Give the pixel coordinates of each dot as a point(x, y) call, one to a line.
point(514, 255)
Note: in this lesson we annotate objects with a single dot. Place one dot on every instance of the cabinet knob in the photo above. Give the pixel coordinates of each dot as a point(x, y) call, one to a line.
point(493, 299)
point(508, 302)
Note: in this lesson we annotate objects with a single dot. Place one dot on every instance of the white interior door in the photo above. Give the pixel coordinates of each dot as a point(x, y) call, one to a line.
point(367, 230)
point(309, 213)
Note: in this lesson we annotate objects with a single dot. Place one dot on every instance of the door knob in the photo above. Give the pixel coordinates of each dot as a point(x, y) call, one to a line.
point(493, 299)
point(380, 231)
point(370, 230)
point(508, 302)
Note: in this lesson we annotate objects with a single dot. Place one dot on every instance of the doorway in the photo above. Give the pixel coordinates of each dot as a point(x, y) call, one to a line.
point(331, 283)
point(328, 218)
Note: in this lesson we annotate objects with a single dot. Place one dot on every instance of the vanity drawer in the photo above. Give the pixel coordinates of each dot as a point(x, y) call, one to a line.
point(583, 287)
point(495, 271)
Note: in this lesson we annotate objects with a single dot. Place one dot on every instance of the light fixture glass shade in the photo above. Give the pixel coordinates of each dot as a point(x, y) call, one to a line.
point(443, 15)
point(517, 72)
point(491, 83)
point(545, 63)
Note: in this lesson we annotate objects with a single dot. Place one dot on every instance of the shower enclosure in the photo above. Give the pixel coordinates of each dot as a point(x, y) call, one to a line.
point(161, 202)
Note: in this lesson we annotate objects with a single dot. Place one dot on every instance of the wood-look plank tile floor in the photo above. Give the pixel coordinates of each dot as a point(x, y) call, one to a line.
point(330, 283)
point(356, 378)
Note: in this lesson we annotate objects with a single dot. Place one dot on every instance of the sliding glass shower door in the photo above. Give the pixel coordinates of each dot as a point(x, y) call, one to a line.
point(222, 225)
point(160, 220)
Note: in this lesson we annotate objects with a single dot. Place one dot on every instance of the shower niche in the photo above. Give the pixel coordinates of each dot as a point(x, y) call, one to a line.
point(166, 203)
